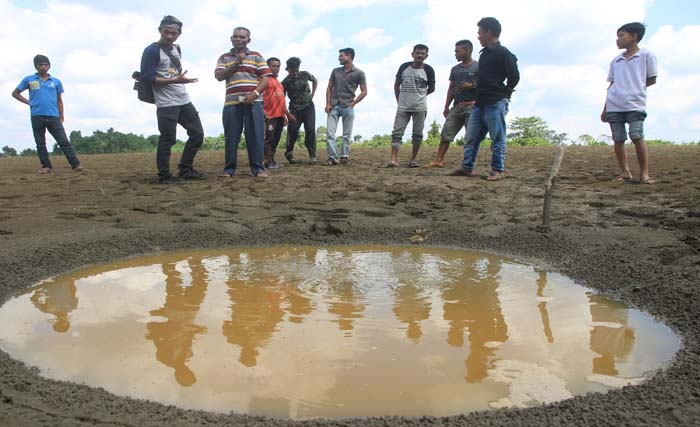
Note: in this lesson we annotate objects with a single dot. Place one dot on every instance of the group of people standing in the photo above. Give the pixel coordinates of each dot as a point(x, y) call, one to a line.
point(477, 100)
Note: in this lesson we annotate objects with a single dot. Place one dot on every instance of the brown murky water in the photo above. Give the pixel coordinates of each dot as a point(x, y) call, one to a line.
point(300, 332)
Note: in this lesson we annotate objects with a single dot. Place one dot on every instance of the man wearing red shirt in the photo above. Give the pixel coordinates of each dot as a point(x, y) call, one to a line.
point(276, 114)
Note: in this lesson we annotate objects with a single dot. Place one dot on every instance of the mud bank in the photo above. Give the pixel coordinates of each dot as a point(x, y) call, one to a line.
point(636, 243)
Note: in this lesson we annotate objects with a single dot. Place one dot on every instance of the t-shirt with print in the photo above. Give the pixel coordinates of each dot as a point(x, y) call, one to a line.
point(170, 95)
point(273, 99)
point(414, 85)
point(464, 74)
point(298, 90)
point(246, 77)
point(43, 95)
point(628, 76)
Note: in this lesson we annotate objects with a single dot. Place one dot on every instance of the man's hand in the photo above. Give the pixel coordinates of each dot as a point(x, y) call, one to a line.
point(62, 118)
point(328, 109)
point(465, 86)
point(250, 98)
point(446, 112)
point(602, 117)
point(182, 78)
point(290, 118)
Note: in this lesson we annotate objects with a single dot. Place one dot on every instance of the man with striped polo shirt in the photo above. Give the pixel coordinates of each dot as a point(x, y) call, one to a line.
point(245, 73)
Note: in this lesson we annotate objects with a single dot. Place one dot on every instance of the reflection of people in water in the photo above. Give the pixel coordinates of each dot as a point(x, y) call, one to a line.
point(345, 304)
point(612, 342)
point(298, 305)
point(174, 337)
point(542, 306)
point(473, 304)
point(411, 306)
point(57, 299)
point(256, 311)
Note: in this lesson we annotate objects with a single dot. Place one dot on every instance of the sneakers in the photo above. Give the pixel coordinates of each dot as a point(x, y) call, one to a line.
point(290, 159)
point(461, 172)
point(273, 166)
point(169, 180)
point(192, 175)
point(44, 170)
point(78, 168)
point(313, 160)
point(345, 161)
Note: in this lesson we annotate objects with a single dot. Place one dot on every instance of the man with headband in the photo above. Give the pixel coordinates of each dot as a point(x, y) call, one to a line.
point(161, 69)
point(46, 109)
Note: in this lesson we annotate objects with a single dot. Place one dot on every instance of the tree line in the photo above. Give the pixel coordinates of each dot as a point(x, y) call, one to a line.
point(523, 131)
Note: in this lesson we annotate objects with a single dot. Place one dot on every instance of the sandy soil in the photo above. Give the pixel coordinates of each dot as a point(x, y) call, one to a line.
point(636, 243)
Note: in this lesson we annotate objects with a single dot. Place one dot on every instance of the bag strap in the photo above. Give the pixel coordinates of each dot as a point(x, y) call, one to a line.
point(174, 60)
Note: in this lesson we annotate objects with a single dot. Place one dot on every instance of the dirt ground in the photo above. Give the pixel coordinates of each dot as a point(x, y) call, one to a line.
point(636, 243)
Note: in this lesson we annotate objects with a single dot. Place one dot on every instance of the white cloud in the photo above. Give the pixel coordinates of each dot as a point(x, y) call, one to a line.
point(372, 38)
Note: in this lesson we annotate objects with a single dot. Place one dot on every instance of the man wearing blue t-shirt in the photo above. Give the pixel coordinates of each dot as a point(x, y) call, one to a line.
point(46, 109)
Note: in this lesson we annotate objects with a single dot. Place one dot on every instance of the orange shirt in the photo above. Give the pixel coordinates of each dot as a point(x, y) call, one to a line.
point(273, 99)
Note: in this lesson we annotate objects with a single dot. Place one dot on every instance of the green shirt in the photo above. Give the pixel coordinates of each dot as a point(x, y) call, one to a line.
point(298, 90)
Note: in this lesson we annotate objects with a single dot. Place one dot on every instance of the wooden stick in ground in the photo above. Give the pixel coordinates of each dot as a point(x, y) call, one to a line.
point(549, 187)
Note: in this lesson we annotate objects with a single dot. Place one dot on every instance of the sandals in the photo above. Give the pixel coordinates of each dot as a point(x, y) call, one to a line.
point(435, 164)
point(389, 165)
point(331, 162)
point(413, 164)
point(495, 176)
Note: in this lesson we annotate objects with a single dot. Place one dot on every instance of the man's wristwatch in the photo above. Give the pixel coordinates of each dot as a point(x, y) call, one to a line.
point(256, 92)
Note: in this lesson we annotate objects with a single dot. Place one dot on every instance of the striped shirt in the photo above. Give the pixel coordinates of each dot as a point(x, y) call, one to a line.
point(247, 75)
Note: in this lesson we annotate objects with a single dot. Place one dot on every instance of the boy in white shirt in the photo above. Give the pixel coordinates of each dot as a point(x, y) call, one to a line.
point(630, 74)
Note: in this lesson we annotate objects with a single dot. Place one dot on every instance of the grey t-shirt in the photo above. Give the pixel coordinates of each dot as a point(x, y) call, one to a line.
point(171, 95)
point(414, 86)
point(461, 74)
point(345, 84)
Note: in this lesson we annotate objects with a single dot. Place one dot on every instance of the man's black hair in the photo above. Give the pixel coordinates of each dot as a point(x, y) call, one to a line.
point(348, 51)
point(634, 28)
point(272, 58)
point(490, 24)
point(242, 29)
point(420, 46)
point(293, 62)
point(170, 21)
point(41, 59)
point(466, 43)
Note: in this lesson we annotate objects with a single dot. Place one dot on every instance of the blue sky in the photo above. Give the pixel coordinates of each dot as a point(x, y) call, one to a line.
point(564, 50)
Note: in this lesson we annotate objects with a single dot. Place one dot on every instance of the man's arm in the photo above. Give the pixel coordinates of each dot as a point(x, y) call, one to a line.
point(605, 108)
point(448, 99)
point(60, 107)
point(431, 78)
point(361, 96)
point(262, 84)
point(16, 94)
point(397, 88)
point(512, 73)
point(329, 92)
point(222, 74)
point(314, 85)
point(179, 79)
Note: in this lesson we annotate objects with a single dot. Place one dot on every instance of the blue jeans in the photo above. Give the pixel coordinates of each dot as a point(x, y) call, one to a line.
point(491, 119)
point(617, 120)
point(347, 114)
point(40, 124)
point(236, 118)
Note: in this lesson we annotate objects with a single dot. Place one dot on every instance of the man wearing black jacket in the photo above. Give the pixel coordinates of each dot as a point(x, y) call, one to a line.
point(498, 76)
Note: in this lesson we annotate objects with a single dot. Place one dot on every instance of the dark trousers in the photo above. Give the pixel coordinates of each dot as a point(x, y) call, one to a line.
point(307, 117)
point(168, 119)
point(273, 133)
point(40, 124)
point(250, 117)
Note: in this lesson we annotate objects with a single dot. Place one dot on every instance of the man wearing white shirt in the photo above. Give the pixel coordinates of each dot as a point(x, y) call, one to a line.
point(630, 74)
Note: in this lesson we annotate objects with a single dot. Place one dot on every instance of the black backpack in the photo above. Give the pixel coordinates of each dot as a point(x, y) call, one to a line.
point(145, 92)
